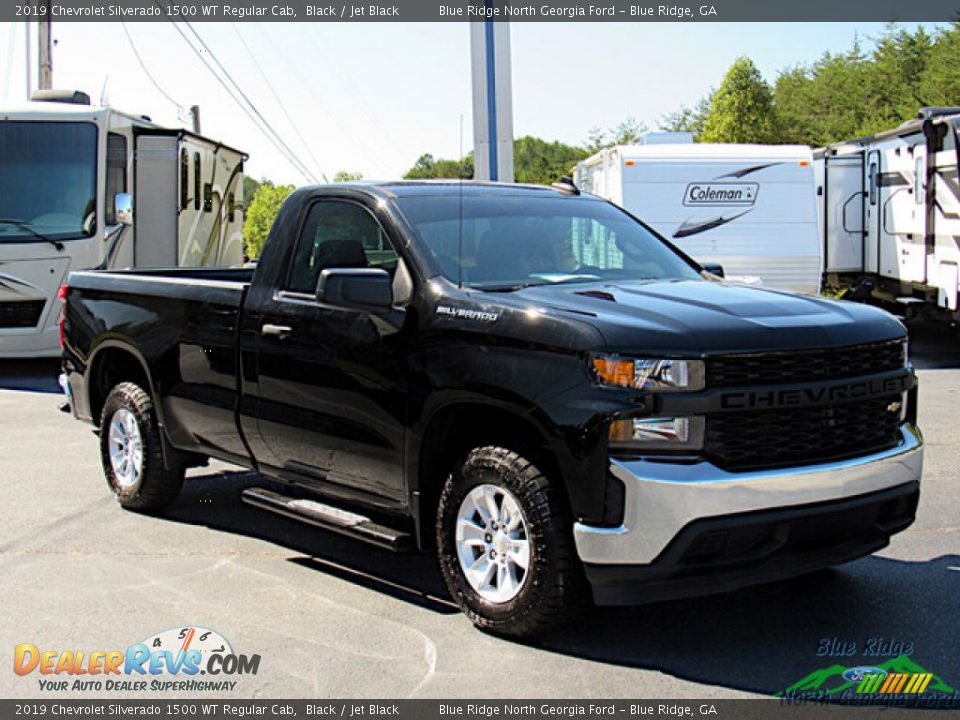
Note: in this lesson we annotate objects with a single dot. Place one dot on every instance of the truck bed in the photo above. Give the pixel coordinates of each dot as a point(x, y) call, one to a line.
point(183, 324)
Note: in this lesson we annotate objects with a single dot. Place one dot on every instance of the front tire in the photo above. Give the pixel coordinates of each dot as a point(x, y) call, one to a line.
point(505, 546)
point(131, 451)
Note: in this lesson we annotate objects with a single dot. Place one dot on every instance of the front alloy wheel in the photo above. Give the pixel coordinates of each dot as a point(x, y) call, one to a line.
point(505, 544)
point(492, 543)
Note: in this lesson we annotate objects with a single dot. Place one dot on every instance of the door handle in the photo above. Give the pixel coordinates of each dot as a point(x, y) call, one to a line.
point(280, 331)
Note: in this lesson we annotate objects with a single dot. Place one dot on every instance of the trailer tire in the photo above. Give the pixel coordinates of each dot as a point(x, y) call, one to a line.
point(131, 451)
point(497, 512)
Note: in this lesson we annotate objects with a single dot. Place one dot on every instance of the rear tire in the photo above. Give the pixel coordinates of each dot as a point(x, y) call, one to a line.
point(505, 544)
point(131, 451)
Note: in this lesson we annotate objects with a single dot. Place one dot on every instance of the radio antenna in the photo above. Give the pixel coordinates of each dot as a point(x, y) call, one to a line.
point(460, 174)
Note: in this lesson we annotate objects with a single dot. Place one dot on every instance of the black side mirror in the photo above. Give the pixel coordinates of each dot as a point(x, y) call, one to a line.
point(366, 289)
point(713, 268)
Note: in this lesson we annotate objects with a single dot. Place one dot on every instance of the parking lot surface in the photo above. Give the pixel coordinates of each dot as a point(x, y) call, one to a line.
point(331, 617)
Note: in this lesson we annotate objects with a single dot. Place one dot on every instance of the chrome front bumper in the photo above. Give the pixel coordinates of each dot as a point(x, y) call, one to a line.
point(662, 498)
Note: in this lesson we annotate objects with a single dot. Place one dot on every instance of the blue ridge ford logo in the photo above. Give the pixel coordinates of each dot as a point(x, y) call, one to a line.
point(724, 194)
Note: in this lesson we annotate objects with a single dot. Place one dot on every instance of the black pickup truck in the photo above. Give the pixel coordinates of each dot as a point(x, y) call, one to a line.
point(525, 380)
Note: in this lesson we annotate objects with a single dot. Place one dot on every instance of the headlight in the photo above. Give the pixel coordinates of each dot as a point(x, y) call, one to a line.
point(670, 433)
point(662, 376)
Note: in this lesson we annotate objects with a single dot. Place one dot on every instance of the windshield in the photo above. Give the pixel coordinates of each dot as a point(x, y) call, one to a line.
point(519, 241)
point(48, 181)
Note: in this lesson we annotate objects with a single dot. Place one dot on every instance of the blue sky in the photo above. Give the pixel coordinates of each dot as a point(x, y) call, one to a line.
point(371, 97)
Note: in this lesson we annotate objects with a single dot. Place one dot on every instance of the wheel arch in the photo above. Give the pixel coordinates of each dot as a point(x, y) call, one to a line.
point(458, 426)
point(112, 363)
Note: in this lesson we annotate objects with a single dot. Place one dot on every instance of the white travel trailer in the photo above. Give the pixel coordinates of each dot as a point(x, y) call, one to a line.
point(85, 187)
point(890, 210)
point(750, 208)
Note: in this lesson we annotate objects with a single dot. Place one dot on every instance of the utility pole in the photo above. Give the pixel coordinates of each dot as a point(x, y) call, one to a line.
point(45, 66)
point(27, 57)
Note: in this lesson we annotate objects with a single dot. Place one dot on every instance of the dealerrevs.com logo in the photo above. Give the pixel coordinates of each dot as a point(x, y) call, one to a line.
point(183, 659)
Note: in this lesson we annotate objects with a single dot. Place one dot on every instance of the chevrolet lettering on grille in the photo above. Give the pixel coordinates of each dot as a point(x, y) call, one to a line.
point(797, 397)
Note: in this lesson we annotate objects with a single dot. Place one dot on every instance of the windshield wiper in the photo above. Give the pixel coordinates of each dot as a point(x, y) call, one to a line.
point(24, 225)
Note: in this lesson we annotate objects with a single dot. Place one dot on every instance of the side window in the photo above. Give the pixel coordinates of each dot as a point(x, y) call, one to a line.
point(196, 181)
point(920, 181)
point(207, 197)
point(338, 234)
point(116, 171)
point(873, 183)
point(184, 178)
point(231, 207)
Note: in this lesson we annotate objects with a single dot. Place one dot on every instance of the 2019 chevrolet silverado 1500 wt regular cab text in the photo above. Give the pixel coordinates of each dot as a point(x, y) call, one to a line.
point(525, 380)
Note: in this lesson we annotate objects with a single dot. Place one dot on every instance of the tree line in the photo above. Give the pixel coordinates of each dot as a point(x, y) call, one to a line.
point(839, 96)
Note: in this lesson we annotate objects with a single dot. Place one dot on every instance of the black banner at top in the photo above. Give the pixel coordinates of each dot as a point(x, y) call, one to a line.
point(478, 10)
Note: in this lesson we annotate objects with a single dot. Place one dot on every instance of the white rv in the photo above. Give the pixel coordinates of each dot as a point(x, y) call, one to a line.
point(890, 210)
point(750, 208)
point(85, 187)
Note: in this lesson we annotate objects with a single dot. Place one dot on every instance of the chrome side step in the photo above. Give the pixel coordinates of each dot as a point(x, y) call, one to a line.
point(329, 518)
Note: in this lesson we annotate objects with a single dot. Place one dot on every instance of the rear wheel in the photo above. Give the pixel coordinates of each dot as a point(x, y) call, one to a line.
point(506, 547)
point(131, 451)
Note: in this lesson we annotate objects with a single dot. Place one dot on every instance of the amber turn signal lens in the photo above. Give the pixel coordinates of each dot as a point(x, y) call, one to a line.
point(615, 372)
point(621, 430)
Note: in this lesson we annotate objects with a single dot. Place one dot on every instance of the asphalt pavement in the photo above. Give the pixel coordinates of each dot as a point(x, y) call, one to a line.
point(331, 617)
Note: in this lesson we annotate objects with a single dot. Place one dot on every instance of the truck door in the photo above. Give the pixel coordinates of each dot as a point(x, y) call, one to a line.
point(325, 385)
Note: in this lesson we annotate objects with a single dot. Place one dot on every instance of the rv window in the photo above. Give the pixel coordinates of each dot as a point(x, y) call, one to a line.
point(48, 179)
point(231, 207)
point(207, 197)
point(184, 178)
point(116, 172)
point(918, 180)
point(196, 181)
point(873, 183)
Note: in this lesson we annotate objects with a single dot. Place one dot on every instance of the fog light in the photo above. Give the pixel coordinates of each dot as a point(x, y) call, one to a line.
point(670, 433)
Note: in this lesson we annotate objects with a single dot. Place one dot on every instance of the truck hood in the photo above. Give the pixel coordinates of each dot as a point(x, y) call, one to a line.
point(701, 317)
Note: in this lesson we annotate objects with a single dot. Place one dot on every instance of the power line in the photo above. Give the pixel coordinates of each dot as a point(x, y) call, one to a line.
point(295, 69)
point(143, 65)
point(307, 173)
point(279, 101)
point(261, 125)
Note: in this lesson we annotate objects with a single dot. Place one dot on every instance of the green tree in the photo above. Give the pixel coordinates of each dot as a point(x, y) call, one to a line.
point(249, 189)
point(427, 168)
point(628, 132)
point(541, 162)
point(826, 102)
point(345, 176)
point(741, 110)
point(534, 161)
point(687, 119)
point(898, 60)
point(260, 215)
point(939, 82)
